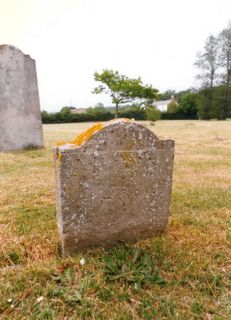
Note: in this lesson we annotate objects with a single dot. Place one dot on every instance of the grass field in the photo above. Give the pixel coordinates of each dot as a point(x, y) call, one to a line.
point(185, 274)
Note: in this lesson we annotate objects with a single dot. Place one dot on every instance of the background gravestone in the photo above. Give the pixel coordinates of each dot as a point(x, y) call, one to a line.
point(20, 115)
point(116, 186)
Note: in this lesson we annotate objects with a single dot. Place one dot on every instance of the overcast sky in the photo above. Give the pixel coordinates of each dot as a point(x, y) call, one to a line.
point(71, 39)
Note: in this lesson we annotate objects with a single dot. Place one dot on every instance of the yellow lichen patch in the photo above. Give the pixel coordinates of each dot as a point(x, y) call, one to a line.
point(127, 154)
point(59, 156)
point(60, 143)
point(86, 135)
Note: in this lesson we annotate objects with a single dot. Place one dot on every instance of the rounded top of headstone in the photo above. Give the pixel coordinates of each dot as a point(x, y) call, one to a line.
point(122, 134)
point(8, 47)
point(119, 134)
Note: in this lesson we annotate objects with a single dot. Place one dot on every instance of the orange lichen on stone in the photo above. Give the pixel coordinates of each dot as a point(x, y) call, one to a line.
point(127, 156)
point(60, 143)
point(86, 135)
point(59, 156)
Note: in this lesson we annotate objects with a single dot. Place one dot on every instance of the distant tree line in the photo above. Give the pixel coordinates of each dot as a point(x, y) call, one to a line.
point(189, 105)
point(101, 113)
point(214, 64)
point(185, 110)
point(211, 101)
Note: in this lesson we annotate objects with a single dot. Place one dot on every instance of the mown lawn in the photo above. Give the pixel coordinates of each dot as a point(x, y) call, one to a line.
point(185, 274)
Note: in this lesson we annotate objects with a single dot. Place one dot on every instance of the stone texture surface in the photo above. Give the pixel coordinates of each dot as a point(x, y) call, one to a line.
point(20, 124)
point(115, 187)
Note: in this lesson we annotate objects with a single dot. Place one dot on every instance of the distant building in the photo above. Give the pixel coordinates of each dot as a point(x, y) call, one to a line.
point(79, 110)
point(162, 105)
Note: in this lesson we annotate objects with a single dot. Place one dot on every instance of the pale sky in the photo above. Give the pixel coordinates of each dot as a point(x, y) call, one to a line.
point(71, 39)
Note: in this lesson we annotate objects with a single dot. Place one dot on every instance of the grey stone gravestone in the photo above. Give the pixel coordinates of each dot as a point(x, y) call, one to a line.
point(20, 116)
point(113, 187)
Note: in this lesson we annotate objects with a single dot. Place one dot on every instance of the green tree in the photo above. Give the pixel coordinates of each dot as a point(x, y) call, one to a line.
point(99, 113)
point(152, 113)
point(67, 109)
point(122, 89)
point(180, 94)
point(208, 62)
point(99, 104)
point(167, 94)
point(172, 107)
point(225, 40)
point(204, 107)
point(221, 102)
point(188, 106)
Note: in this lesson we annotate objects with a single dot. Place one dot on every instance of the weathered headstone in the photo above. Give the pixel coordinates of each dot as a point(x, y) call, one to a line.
point(115, 186)
point(20, 116)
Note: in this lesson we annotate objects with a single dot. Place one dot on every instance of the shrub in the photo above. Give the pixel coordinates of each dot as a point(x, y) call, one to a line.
point(152, 113)
point(132, 113)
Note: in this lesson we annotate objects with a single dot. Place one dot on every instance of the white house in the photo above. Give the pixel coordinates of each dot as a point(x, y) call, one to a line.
point(162, 105)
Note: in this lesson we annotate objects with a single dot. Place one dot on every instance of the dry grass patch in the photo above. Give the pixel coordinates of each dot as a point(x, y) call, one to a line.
point(185, 274)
